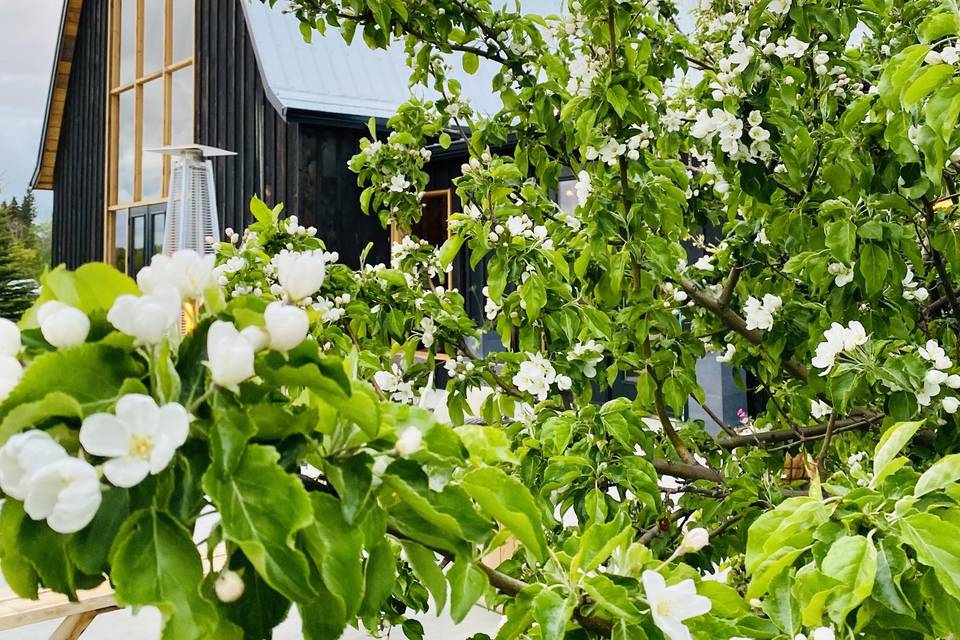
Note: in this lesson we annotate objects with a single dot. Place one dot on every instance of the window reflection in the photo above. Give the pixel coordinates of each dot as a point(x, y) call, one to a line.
point(183, 11)
point(567, 195)
point(156, 233)
point(120, 240)
point(152, 167)
point(181, 118)
point(126, 146)
point(128, 40)
point(138, 242)
point(153, 17)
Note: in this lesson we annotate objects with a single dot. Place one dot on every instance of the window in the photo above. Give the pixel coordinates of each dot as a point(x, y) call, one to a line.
point(432, 226)
point(567, 194)
point(151, 104)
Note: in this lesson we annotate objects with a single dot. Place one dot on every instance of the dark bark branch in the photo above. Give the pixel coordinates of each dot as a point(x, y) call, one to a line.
point(687, 471)
point(864, 421)
point(727, 429)
point(941, 267)
point(825, 445)
point(732, 279)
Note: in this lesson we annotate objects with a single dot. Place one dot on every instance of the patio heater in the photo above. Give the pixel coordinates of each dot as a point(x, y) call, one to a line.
point(191, 215)
point(192, 198)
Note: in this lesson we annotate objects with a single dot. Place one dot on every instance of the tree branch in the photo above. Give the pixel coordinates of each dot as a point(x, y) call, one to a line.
point(940, 266)
point(865, 421)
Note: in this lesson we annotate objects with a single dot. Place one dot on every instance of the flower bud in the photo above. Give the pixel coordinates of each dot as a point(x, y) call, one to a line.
point(10, 373)
point(256, 336)
point(300, 274)
point(286, 324)
point(23, 454)
point(62, 325)
point(409, 442)
point(9, 338)
point(229, 586)
point(694, 540)
point(149, 318)
point(230, 356)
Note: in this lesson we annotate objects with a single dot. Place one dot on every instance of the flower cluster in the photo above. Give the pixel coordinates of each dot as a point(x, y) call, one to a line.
point(937, 375)
point(536, 375)
point(10, 368)
point(392, 383)
point(836, 340)
point(760, 314)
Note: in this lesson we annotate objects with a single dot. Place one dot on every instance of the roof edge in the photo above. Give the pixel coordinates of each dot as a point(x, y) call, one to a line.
point(41, 180)
point(264, 81)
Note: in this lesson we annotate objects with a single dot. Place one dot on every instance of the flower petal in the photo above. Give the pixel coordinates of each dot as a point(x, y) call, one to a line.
point(672, 628)
point(126, 471)
point(103, 434)
point(139, 413)
point(691, 606)
point(173, 423)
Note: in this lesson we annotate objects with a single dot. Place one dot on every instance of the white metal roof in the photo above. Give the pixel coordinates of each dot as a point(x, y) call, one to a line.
point(329, 76)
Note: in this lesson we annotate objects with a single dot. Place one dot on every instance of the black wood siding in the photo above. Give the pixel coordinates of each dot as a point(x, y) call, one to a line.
point(78, 176)
point(296, 161)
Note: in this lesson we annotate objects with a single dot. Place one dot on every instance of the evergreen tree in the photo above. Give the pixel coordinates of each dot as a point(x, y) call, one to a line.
point(17, 283)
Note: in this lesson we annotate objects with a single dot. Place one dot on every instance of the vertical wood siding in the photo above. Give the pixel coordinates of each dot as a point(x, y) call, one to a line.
point(78, 195)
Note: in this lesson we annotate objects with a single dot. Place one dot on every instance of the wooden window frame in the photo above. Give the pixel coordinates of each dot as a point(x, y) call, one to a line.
point(169, 66)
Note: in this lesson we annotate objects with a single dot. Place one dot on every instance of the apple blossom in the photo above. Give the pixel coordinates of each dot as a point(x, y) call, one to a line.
point(22, 455)
point(760, 314)
point(149, 318)
point(229, 355)
point(933, 352)
point(62, 325)
point(256, 337)
point(9, 338)
point(65, 493)
point(300, 274)
point(186, 270)
point(694, 540)
point(228, 586)
point(10, 373)
point(286, 325)
point(535, 376)
point(409, 442)
point(843, 274)
point(820, 409)
point(727, 355)
point(139, 440)
point(393, 383)
point(670, 606)
point(950, 404)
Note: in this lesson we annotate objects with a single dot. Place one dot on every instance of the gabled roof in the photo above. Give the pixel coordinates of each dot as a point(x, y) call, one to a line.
point(57, 94)
point(327, 76)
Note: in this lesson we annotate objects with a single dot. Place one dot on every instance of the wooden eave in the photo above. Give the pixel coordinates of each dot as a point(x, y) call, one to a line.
point(57, 94)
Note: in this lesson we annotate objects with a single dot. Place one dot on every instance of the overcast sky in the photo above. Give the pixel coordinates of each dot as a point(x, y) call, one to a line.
point(28, 38)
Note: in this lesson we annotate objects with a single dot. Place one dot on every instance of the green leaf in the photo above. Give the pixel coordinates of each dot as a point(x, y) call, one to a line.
point(92, 287)
point(154, 562)
point(336, 548)
point(840, 239)
point(89, 548)
point(425, 567)
point(874, 266)
point(937, 545)
point(615, 598)
point(534, 295)
point(511, 504)
point(262, 509)
point(944, 472)
point(450, 249)
point(852, 561)
point(260, 608)
point(781, 606)
point(598, 542)
point(96, 374)
point(926, 81)
point(551, 611)
point(380, 574)
point(31, 414)
point(891, 443)
point(467, 583)
point(229, 434)
point(470, 62)
point(489, 444)
point(619, 99)
point(17, 570)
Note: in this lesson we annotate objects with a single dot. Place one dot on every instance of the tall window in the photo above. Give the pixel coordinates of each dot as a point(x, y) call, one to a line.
point(150, 105)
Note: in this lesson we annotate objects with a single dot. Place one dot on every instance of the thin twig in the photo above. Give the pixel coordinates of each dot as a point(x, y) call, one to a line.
point(825, 445)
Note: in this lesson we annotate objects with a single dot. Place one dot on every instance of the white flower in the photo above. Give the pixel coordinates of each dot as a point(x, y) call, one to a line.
point(65, 492)
point(409, 442)
point(779, 7)
point(953, 381)
point(694, 540)
point(670, 606)
point(854, 336)
point(535, 376)
point(762, 237)
point(300, 274)
point(926, 394)
point(9, 338)
point(22, 455)
point(229, 584)
point(822, 633)
point(399, 184)
point(759, 315)
point(230, 355)
point(287, 325)
point(394, 384)
point(932, 57)
point(584, 187)
point(934, 353)
point(62, 325)
point(727, 356)
point(721, 572)
point(563, 382)
point(257, 337)
point(148, 318)
point(187, 270)
point(820, 409)
point(10, 373)
point(429, 327)
point(843, 274)
point(793, 47)
point(950, 404)
point(139, 440)
point(825, 357)
point(704, 263)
